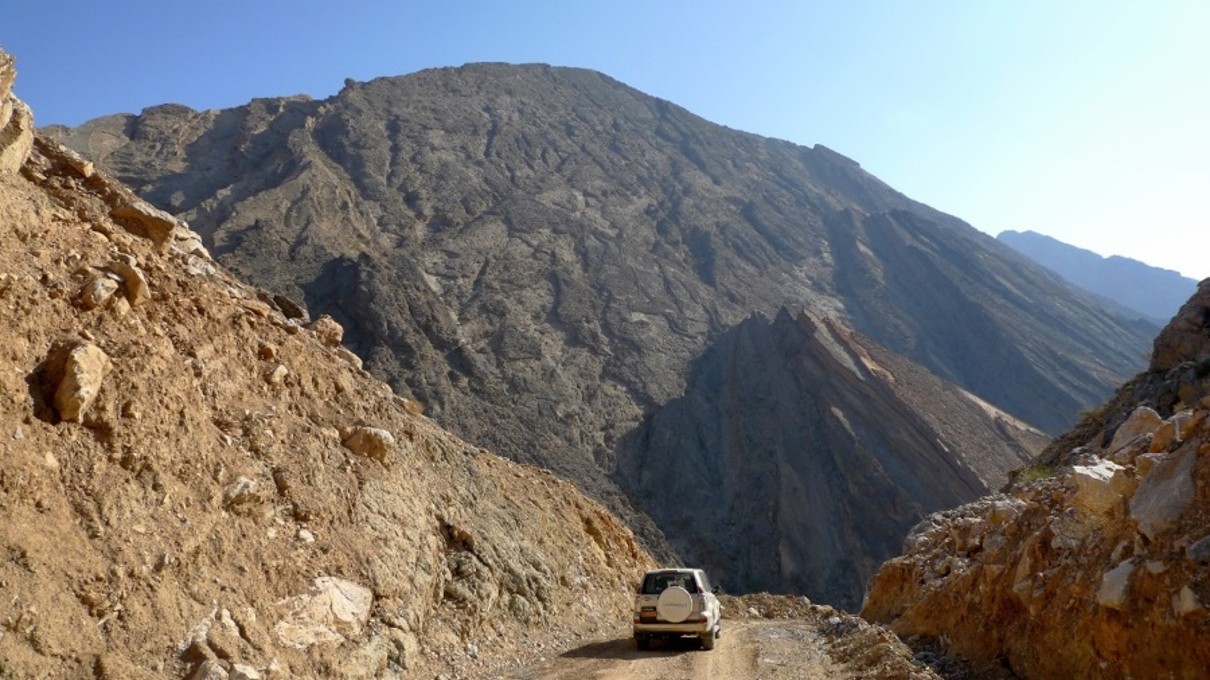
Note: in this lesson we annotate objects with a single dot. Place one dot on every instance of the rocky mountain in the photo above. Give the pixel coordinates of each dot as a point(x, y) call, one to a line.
point(539, 255)
point(194, 485)
point(1096, 562)
point(1150, 291)
point(802, 453)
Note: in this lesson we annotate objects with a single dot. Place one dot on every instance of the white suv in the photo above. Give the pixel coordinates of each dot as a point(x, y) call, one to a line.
point(676, 602)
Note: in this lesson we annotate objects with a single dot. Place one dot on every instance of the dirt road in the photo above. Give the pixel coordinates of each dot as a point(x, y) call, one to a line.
point(748, 649)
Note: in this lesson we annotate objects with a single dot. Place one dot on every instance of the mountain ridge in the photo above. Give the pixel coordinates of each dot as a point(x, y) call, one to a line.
point(538, 254)
point(1154, 292)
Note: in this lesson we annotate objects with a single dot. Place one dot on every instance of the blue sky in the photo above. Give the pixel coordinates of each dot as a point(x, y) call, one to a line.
point(1087, 121)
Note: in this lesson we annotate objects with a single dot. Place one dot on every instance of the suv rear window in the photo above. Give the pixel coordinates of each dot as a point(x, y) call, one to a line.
point(655, 584)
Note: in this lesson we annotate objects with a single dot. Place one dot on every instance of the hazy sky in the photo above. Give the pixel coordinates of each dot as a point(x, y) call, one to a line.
point(1086, 121)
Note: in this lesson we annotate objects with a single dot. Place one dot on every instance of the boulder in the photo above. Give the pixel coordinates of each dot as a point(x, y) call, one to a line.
point(289, 308)
point(1185, 602)
point(371, 442)
point(334, 611)
point(241, 671)
point(327, 330)
point(84, 368)
point(1100, 487)
point(1115, 586)
point(1143, 422)
point(349, 357)
point(17, 137)
point(209, 670)
point(277, 375)
point(148, 221)
point(241, 493)
point(97, 292)
point(1165, 493)
point(134, 282)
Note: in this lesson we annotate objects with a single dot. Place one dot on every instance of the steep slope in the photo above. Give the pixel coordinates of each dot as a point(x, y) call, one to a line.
point(558, 209)
point(1153, 292)
point(538, 254)
point(800, 456)
point(192, 484)
point(1096, 563)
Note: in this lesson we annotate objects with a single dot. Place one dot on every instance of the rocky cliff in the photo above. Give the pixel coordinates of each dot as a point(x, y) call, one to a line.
point(193, 484)
point(801, 454)
point(540, 254)
point(1095, 562)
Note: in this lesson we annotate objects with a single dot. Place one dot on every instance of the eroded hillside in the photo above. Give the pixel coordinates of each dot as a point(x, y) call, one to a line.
point(194, 485)
point(540, 255)
point(1096, 562)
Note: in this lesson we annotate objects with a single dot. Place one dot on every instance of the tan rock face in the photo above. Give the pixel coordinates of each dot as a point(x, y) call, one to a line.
point(163, 503)
point(16, 121)
point(1097, 574)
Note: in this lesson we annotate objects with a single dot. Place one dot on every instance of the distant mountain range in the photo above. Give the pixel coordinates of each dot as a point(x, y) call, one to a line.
point(575, 274)
point(1155, 293)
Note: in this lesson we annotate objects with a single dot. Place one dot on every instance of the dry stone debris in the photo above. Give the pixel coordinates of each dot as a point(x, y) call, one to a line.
point(134, 281)
point(98, 291)
point(372, 442)
point(336, 609)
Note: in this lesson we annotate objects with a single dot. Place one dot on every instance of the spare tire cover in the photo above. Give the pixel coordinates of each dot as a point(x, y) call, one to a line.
point(675, 604)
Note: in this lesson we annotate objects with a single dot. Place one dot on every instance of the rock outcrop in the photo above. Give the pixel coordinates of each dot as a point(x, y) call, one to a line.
point(167, 511)
point(1187, 337)
point(16, 121)
point(1094, 562)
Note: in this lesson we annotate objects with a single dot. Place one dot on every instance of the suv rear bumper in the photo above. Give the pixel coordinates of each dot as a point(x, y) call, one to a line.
point(685, 628)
